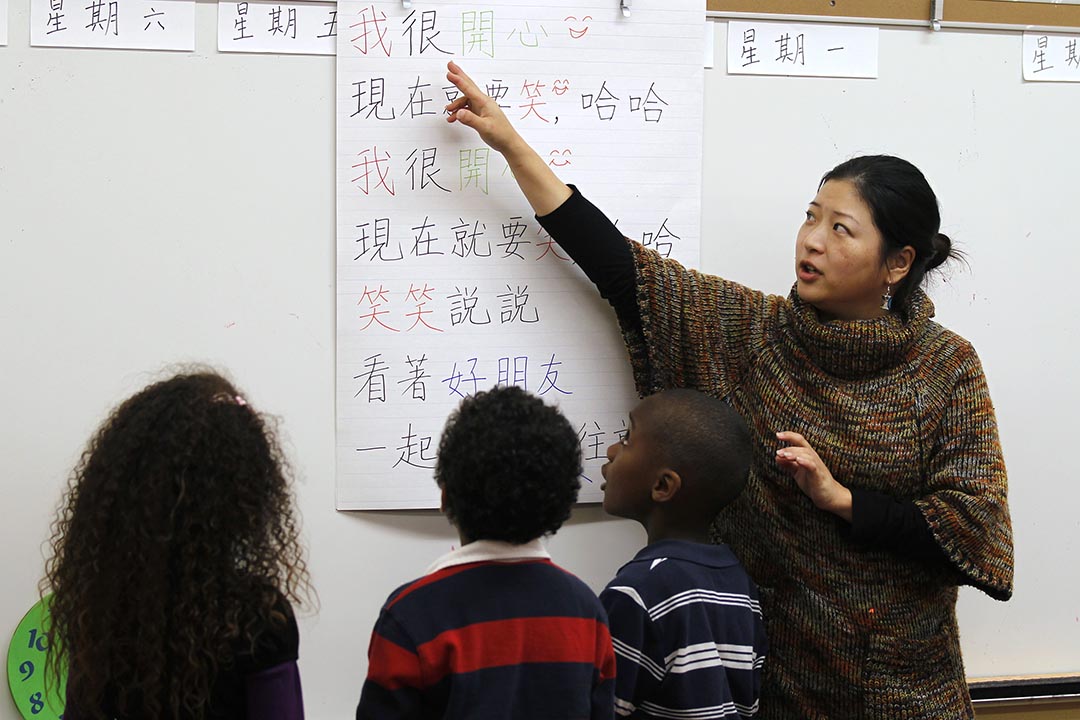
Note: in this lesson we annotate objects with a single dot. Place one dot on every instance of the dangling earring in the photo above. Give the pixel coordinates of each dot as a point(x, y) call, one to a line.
point(886, 299)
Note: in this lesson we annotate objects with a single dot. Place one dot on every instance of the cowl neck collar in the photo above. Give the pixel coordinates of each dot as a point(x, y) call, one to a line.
point(858, 348)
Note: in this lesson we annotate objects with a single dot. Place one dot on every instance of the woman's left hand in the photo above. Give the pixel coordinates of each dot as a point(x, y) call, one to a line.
point(800, 461)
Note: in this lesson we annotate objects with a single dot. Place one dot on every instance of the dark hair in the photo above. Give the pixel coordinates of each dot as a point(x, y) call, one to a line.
point(509, 466)
point(704, 440)
point(905, 211)
point(172, 550)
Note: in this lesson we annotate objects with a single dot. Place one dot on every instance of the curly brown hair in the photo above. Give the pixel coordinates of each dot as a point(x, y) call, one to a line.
point(173, 548)
point(508, 466)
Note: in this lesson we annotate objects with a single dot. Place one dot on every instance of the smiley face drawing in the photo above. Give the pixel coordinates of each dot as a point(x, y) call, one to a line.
point(560, 86)
point(582, 26)
point(559, 158)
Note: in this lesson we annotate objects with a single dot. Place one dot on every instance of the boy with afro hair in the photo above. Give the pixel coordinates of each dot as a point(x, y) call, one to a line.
point(495, 629)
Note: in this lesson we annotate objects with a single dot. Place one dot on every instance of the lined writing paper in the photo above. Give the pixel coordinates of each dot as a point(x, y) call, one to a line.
point(446, 284)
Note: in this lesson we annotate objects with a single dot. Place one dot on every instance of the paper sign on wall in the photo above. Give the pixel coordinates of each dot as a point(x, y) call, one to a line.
point(133, 24)
point(770, 48)
point(1051, 57)
point(300, 28)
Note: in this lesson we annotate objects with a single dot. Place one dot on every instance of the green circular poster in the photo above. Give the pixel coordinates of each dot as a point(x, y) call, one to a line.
point(35, 698)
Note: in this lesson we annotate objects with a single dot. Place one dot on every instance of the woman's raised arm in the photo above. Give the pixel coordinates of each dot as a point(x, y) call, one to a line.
point(474, 109)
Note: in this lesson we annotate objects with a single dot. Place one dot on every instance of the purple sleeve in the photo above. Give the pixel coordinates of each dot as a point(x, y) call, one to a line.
point(274, 693)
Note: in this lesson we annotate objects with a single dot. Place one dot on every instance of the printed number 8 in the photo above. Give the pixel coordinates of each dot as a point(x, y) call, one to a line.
point(36, 704)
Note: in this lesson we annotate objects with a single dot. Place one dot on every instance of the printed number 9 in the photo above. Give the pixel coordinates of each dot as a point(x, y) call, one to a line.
point(27, 669)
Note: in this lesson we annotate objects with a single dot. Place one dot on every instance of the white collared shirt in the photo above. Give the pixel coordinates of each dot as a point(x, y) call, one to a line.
point(490, 551)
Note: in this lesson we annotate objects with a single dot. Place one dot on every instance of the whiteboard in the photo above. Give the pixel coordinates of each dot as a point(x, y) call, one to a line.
point(166, 207)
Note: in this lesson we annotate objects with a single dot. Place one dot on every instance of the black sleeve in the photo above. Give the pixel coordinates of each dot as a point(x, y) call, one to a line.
point(597, 246)
point(883, 521)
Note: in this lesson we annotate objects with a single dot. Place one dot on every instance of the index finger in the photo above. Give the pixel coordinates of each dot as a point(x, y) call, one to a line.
point(792, 438)
point(462, 81)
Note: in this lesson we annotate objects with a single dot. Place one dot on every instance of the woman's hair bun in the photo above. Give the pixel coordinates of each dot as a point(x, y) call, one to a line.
point(940, 251)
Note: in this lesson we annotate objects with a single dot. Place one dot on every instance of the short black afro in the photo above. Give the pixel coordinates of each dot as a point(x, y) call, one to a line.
point(706, 441)
point(509, 466)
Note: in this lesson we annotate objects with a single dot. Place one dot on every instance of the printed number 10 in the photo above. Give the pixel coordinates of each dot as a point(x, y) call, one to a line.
point(38, 642)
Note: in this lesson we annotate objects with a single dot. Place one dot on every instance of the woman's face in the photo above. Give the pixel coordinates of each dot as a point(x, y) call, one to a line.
point(838, 255)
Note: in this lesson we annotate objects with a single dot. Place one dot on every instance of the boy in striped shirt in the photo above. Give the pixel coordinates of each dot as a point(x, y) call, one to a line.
point(495, 630)
point(684, 615)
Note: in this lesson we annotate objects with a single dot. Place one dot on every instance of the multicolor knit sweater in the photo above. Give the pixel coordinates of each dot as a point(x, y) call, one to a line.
point(897, 405)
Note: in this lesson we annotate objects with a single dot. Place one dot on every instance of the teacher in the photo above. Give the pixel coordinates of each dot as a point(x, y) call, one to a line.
point(877, 485)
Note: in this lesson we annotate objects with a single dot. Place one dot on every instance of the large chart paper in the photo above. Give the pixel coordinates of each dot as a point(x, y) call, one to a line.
point(446, 283)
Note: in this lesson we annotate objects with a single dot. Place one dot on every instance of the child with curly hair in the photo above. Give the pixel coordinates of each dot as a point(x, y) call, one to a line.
point(495, 629)
point(175, 562)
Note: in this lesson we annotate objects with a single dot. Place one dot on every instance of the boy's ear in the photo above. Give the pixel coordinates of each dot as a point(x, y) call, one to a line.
point(442, 499)
point(666, 486)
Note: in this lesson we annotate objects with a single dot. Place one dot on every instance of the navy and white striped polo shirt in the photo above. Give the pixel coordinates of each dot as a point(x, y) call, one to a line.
point(688, 634)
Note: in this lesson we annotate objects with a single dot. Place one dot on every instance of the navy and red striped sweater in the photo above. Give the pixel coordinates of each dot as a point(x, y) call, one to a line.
point(493, 631)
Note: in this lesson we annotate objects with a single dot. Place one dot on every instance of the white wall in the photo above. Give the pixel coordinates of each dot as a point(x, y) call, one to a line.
point(164, 207)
